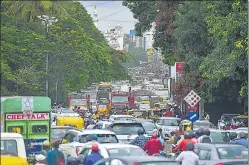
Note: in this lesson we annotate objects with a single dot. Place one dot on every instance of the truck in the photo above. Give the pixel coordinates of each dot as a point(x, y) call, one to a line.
point(80, 100)
point(104, 95)
point(122, 102)
point(29, 116)
point(143, 96)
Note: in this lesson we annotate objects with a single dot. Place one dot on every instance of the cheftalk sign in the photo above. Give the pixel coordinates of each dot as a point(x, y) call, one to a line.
point(33, 116)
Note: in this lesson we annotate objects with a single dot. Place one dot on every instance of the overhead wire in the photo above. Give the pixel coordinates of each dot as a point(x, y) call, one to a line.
point(98, 4)
point(112, 14)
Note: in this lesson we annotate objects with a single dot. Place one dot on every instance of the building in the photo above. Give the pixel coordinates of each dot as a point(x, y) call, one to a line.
point(95, 17)
point(115, 37)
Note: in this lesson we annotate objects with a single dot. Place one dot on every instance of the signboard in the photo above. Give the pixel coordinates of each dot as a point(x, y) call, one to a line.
point(34, 116)
point(192, 98)
point(179, 67)
point(27, 104)
point(192, 116)
point(195, 108)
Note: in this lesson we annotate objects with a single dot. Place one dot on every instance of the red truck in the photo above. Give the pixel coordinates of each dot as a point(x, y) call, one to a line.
point(122, 101)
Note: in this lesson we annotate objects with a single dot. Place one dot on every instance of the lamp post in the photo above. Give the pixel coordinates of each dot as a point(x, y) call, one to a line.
point(47, 21)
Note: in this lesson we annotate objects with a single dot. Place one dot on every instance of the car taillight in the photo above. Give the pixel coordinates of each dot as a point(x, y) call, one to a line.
point(135, 163)
point(78, 150)
point(219, 164)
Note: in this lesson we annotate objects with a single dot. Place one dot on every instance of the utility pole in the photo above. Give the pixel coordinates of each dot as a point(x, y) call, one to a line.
point(47, 21)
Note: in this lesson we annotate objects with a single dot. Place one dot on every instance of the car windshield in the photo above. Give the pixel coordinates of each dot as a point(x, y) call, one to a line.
point(78, 102)
point(126, 129)
point(59, 132)
point(232, 152)
point(9, 147)
point(242, 122)
point(169, 122)
point(120, 99)
point(124, 118)
point(67, 111)
point(220, 137)
point(144, 98)
point(148, 126)
point(201, 124)
point(157, 163)
point(126, 152)
point(144, 106)
point(102, 138)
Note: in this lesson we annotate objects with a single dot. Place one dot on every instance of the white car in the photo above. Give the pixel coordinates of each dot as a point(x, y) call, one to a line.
point(113, 150)
point(126, 131)
point(114, 118)
point(75, 140)
point(168, 124)
point(102, 125)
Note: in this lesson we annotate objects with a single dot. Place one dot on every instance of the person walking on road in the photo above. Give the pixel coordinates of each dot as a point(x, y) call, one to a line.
point(188, 157)
point(94, 156)
point(153, 146)
point(55, 157)
point(242, 140)
point(140, 140)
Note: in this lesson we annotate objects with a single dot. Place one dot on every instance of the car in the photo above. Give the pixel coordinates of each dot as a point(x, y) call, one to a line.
point(58, 132)
point(113, 150)
point(217, 153)
point(168, 124)
point(102, 125)
point(114, 118)
point(219, 136)
point(136, 160)
point(126, 131)
point(75, 140)
point(148, 125)
point(202, 123)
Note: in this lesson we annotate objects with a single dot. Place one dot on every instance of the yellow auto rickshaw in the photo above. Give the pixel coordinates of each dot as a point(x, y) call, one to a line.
point(103, 109)
point(10, 160)
point(186, 125)
point(76, 122)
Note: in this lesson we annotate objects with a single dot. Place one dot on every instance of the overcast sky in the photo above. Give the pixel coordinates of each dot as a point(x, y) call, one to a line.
point(119, 14)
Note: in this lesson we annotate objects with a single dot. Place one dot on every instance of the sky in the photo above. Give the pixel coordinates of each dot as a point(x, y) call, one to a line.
point(119, 14)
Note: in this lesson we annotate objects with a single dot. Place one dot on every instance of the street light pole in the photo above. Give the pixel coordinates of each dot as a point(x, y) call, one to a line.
point(47, 21)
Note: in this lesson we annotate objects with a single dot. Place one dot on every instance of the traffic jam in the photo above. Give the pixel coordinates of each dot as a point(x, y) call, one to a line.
point(119, 124)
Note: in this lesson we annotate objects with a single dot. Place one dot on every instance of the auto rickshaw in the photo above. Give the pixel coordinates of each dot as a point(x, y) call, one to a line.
point(186, 125)
point(76, 122)
point(103, 110)
point(142, 114)
point(10, 160)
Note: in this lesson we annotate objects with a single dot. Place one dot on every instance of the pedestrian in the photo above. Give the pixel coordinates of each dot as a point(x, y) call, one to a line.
point(45, 148)
point(140, 140)
point(183, 144)
point(55, 157)
point(242, 140)
point(153, 146)
point(94, 156)
point(41, 159)
point(188, 157)
point(206, 116)
point(205, 138)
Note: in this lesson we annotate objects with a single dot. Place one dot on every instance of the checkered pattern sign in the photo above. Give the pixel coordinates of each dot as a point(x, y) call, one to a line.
point(192, 98)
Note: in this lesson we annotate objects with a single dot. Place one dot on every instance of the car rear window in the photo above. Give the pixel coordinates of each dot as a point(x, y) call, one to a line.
point(126, 128)
point(158, 163)
point(220, 137)
point(102, 138)
point(126, 152)
point(59, 132)
point(9, 147)
point(232, 152)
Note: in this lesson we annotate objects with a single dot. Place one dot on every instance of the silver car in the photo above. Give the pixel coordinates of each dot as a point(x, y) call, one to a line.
point(168, 124)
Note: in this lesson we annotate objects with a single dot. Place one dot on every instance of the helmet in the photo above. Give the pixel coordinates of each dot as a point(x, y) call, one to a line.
point(198, 133)
point(206, 132)
point(140, 132)
point(233, 135)
point(95, 147)
point(190, 146)
point(95, 137)
point(187, 135)
point(188, 129)
point(46, 143)
point(154, 136)
point(192, 134)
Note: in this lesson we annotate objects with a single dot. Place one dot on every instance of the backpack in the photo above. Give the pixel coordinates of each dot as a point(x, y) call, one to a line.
point(206, 139)
point(59, 158)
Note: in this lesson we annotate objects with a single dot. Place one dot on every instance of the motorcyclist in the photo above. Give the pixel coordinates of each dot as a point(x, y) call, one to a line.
point(153, 146)
point(88, 115)
point(242, 140)
point(188, 157)
point(193, 138)
point(92, 139)
point(45, 148)
point(140, 140)
point(198, 133)
point(94, 156)
point(205, 138)
point(183, 144)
